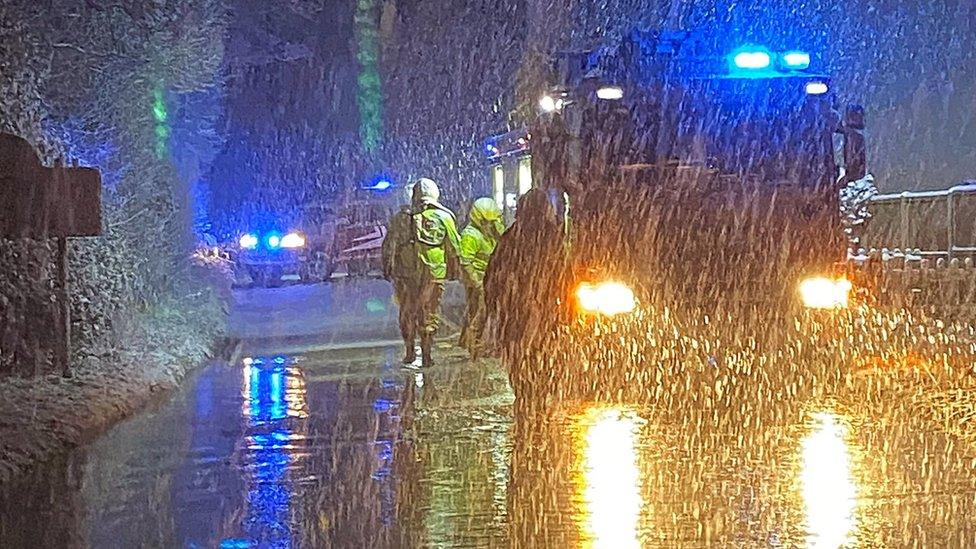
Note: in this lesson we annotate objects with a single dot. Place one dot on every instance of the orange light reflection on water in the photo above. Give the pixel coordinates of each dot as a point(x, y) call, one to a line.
point(608, 478)
point(829, 491)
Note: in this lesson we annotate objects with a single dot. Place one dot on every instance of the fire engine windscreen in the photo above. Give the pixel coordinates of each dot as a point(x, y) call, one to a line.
point(773, 130)
point(776, 128)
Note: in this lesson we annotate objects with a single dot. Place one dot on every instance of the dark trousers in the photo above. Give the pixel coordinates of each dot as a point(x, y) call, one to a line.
point(473, 333)
point(420, 304)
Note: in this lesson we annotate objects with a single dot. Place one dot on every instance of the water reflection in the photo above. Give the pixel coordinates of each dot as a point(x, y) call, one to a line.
point(291, 454)
point(389, 417)
point(829, 491)
point(274, 397)
point(609, 481)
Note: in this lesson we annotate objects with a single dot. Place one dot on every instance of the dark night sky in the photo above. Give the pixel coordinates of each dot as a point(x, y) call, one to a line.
point(290, 100)
point(450, 70)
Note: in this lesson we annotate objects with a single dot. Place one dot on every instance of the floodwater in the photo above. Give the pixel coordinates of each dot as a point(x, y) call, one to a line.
point(347, 449)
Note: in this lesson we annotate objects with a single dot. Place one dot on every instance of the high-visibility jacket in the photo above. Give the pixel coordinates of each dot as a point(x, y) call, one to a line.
point(476, 250)
point(438, 241)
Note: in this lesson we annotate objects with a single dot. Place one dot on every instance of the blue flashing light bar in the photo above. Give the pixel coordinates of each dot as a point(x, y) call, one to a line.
point(796, 60)
point(379, 183)
point(751, 58)
point(273, 241)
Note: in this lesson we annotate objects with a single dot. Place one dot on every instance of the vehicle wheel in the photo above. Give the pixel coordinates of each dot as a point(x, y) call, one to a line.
point(310, 272)
point(358, 267)
point(323, 268)
point(273, 278)
point(376, 265)
point(241, 278)
point(328, 267)
point(258, 278)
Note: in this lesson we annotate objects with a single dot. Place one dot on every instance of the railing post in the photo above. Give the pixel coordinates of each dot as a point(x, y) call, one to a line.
point(904, 220)
point(951, 222)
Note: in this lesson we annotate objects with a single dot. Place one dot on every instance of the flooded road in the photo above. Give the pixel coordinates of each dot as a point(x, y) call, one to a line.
point(346, 448)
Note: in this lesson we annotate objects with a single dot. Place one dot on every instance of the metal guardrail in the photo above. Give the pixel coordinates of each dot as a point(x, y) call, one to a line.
point(929, 223)
point(945, 286)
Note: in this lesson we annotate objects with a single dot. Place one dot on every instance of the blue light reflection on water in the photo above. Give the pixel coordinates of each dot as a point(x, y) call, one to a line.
point(272, 455)
point(205, 398)
point(279, 409)
point(382, 405)
point(266, 458)
point(388, 412)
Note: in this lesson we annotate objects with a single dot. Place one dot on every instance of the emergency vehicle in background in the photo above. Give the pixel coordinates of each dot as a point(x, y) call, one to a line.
point(688, 178)
point(321, 242)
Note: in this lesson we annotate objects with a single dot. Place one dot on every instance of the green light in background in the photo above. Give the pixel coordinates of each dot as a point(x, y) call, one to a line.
point(161, 115)
point(370, 96)
point(159, 106)
point(375, 305)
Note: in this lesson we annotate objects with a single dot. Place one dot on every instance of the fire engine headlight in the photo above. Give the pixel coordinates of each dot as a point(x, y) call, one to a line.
point(825, 293)
point(817, 88)
point(605, 298)
point(248, 241)
point(293, 240)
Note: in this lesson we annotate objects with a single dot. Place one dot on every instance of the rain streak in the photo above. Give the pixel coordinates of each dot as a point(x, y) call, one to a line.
point(482, 273)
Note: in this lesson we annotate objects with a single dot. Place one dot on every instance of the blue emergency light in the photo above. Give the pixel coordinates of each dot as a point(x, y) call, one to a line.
point(379, 183)
point(751, 58)
point(274, 241)
point(796, 60)
point(754, 61)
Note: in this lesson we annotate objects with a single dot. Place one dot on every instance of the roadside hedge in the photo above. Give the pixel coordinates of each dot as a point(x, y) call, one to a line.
point(100, 83)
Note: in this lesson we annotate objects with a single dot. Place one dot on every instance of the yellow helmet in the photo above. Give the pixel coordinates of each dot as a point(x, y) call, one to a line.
point(485, 209)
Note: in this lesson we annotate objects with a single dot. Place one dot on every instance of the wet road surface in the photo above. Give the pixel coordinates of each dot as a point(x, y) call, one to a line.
point(345, 448)
point(342, 314)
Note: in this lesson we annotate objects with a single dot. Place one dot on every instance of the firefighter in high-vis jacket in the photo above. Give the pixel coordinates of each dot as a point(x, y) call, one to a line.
point(419, 254)
point(478, 241)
